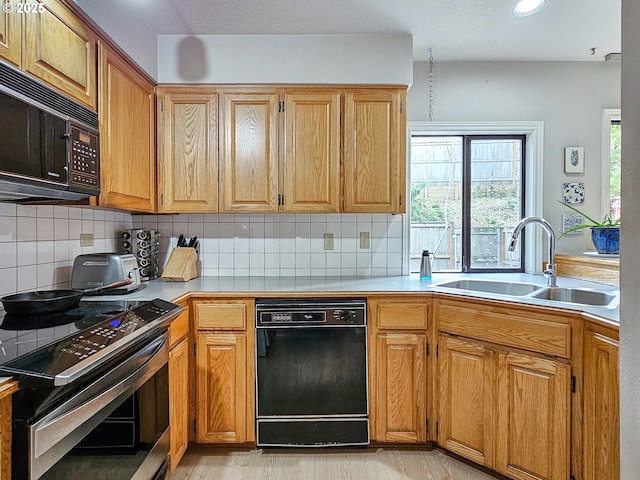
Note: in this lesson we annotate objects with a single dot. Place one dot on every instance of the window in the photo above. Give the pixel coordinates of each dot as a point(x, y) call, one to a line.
point(611, 155)
point(467, 193)
point(615, 148)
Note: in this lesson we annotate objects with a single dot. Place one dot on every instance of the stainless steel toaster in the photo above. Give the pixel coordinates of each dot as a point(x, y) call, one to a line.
point(98, 269)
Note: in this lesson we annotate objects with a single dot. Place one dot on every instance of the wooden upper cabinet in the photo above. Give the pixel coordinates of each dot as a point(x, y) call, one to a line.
point(10, 34)
point(127, 135)
point(311, 163)
point(61, 50)
point(187, 151)
point(249, 164)
point(374, 151)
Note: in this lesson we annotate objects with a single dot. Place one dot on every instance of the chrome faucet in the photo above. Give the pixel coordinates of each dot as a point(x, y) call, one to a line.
point(549, 272)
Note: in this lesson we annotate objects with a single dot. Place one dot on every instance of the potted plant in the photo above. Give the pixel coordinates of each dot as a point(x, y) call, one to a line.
point(605, 234)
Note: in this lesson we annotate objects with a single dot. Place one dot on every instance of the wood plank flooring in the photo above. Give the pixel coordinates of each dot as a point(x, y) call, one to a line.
point(205, 462)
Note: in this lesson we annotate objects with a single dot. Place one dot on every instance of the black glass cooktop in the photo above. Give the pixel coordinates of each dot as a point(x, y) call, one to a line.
point(22, 334)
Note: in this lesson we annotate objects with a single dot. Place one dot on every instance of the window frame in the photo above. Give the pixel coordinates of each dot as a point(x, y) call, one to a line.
point(609, 115)
point(533, 175)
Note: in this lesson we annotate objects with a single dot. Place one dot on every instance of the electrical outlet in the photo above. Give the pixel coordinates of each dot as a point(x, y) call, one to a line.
point(365, 240)
point(328, 241)
point(86, 239)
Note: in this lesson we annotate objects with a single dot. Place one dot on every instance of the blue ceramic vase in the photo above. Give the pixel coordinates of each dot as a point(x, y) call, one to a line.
point(606, 239)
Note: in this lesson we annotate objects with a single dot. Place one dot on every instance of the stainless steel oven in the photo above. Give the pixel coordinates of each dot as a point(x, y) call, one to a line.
point(311, 372)
point(94, 404)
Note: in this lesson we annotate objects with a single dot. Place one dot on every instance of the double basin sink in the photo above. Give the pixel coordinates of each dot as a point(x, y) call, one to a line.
point(575, 296)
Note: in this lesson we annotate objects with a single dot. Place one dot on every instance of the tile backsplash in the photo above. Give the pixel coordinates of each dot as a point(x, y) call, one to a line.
point(284, 244)
point(39, 242)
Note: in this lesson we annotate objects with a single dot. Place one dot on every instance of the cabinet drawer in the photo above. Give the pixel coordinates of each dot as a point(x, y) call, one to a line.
point(520, 328)
point(179, 327)
point(394, 315)
point(220, 316)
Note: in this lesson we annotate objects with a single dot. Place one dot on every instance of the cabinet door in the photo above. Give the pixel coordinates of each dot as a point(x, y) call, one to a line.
point(466, 422)
point(374, 152)
point(401, 388)
point(10, 34)
point(127, 135)
point(601, 424)
point(179, 401)
point(61, 50)
point(6, 390)
point(311, 165)
point(533, 418)
point(188, 151)
point(221, 411)
point(249, 167)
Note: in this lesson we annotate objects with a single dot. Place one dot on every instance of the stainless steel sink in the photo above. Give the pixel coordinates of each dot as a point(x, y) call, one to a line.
point(577, 296)
point(492, 286)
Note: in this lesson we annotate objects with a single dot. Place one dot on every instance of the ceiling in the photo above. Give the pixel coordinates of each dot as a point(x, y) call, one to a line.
point(455, 30)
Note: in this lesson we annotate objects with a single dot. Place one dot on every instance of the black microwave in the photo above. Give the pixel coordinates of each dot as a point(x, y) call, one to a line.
point(49, 144)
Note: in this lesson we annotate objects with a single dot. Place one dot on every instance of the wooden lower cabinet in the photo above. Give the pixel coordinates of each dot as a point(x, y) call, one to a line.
point(6, 390)
point(398, 369)
point(401, 382)
point(221, 376)
point(466, 422)
point(601, 416)
point(224, 371)
point(508, 411)
point(533, 417)
point(179, 401)
point(179, 385)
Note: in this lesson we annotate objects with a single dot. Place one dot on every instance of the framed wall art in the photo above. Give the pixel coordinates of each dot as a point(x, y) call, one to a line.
point(574, 160)
point(573, 192)
point(570, 220)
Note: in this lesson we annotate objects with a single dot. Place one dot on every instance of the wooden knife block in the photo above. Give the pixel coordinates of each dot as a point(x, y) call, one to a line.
point(181, 265)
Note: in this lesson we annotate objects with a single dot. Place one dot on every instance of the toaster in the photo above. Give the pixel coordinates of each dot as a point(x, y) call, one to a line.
point(98, 269)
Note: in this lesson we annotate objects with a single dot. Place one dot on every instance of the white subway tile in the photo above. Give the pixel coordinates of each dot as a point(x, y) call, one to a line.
point(27, 253)
point(8, 210)
point(8, 256)
point(241, 230)
point(27, 278)
point(44, 228)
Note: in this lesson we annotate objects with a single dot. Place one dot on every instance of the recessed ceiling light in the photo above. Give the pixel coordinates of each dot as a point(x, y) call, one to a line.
point(525, 8)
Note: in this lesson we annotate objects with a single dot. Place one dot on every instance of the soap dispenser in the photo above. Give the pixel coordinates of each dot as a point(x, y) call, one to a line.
point(425, 266)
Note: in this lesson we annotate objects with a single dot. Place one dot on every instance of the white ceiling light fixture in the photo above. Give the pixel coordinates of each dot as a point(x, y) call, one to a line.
point(524, 8)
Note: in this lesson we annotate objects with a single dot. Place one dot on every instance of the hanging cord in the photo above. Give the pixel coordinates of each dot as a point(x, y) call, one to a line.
point(430, 98)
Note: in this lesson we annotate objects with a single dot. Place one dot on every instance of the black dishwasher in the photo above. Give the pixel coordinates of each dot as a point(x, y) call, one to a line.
point(311, 372)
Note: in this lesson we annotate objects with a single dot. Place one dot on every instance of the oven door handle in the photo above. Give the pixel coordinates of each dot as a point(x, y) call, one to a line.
point(59, 431)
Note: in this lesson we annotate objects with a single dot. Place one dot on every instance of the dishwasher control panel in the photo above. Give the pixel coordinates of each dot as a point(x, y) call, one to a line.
point(310, 312)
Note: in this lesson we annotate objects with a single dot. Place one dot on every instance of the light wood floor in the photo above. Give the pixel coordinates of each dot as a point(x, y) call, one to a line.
point(204, 462)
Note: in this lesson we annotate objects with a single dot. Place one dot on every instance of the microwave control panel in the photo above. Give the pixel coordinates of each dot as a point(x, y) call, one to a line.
point(84, 160)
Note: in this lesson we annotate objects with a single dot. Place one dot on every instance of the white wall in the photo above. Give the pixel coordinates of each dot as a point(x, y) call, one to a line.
point(133, 33)
point(568, 96)
point(377, 59)
point(630, 246)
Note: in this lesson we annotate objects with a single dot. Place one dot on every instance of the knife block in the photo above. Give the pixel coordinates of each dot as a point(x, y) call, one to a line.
point(181, 265)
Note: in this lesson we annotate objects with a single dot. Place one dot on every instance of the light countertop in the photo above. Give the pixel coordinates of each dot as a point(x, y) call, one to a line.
point(288, 286)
